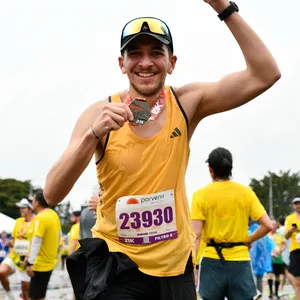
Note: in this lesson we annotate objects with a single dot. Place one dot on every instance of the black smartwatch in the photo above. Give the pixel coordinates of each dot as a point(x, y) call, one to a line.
point(228, 11)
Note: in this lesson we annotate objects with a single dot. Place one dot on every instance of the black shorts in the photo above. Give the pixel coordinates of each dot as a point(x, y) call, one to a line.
point(114, 276)
point(38, 284)
point(294, 266)
point(135, 285)
point(278, 269)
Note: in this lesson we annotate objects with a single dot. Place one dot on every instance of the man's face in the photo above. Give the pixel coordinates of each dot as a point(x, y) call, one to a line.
point(274, 225)
point(297, 206)
point(35, 203)
point(3, 235)
point(24, 211)
point(73, 219)
point(147, 62)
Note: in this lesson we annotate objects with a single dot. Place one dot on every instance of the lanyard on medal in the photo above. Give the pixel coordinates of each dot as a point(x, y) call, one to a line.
point(156, 108)
point(24, 230)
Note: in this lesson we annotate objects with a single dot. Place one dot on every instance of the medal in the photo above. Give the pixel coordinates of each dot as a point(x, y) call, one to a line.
point(141, 110)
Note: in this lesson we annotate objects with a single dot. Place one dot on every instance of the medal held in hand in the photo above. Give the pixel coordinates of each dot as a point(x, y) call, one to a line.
point(141, 111)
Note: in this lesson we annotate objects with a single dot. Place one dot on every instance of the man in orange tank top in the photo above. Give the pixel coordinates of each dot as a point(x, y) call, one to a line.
point(140, 139)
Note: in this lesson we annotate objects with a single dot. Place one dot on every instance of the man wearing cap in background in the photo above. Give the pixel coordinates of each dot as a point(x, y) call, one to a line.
point(292, 231)
point(140, 138)
point(17, 258)
point(44, 249)
point(74, 234)
point(88, 215)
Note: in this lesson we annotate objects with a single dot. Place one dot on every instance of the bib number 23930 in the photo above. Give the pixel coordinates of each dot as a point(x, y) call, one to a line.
point(146, 219)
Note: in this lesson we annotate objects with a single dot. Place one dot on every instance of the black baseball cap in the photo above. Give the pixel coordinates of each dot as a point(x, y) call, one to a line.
point(146, 26)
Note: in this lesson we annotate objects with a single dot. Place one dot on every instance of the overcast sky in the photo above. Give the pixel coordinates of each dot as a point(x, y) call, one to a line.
point(58, 57)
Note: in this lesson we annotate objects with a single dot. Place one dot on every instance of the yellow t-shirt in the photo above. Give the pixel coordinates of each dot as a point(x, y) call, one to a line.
point(279, 241)
point(22, 235)
point(292, 219)
point(225, 207)
point(74, 235)
point(63, 246)
point(47, 226)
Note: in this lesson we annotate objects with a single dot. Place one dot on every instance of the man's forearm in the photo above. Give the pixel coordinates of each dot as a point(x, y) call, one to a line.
point(197, 243)
point(68, 169)
point(288, 235)
point(258, 58)
point(260, 232)
point(35, 249)
point(73, 246)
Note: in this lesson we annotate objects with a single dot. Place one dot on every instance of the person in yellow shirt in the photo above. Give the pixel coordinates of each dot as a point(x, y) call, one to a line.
point(63, 247)
point(74, 234)
point(278, 266)
point(221, 210)
point(44, 248)
point(292, 231)
point(17, 258)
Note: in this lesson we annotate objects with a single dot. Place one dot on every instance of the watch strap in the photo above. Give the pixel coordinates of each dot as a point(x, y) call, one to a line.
point(228, 11)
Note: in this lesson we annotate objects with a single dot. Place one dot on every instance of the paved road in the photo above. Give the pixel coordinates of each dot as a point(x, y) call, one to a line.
point(59, 287)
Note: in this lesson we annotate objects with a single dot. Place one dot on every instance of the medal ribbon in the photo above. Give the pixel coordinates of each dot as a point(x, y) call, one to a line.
point(24, 230)
point(156, 108)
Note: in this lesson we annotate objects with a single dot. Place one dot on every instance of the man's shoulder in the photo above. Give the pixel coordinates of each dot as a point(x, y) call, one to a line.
point(290, 216)
point(247, 190)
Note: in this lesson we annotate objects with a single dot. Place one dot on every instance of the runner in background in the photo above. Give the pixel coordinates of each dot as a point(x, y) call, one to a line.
point(277, 261)
point(292, 231)
point(221, 211)
point(88, 214)
point(44, 249)
point(74, 235)
point(4, 246)
point(17, 258)
point(260, 254)
point(285, 256)
point(4, 249)
point(63, 249)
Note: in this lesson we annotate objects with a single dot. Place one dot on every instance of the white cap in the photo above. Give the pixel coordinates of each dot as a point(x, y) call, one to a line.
point(24, 203)
point(297, 199)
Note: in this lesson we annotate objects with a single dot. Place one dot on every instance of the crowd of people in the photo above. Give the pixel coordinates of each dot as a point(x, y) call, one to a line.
point(145, 236)
point(36, 245)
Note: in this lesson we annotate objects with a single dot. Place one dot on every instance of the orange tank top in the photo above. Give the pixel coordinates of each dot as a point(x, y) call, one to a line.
point(144, 211)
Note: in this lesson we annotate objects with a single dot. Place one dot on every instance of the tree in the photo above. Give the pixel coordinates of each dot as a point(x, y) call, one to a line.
point(11, 192)
point(285, 187)
point(64, 211)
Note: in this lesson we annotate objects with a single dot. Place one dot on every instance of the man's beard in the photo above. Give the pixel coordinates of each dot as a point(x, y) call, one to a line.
point(143, 91)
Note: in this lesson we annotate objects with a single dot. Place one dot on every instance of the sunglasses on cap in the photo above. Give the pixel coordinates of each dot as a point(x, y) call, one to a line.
point(149, 26)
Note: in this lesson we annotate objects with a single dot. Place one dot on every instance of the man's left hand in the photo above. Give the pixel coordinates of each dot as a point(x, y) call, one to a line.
point(29, 271)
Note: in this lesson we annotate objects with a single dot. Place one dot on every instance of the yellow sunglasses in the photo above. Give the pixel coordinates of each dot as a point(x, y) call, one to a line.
point(152, 26)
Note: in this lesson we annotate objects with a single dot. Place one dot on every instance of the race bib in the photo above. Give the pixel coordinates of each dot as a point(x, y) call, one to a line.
point(21, 247)
point(146, 219)
point(2, 253)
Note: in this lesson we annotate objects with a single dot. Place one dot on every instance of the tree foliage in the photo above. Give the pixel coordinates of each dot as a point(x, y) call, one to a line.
point(13, 190)
point(285, 186)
